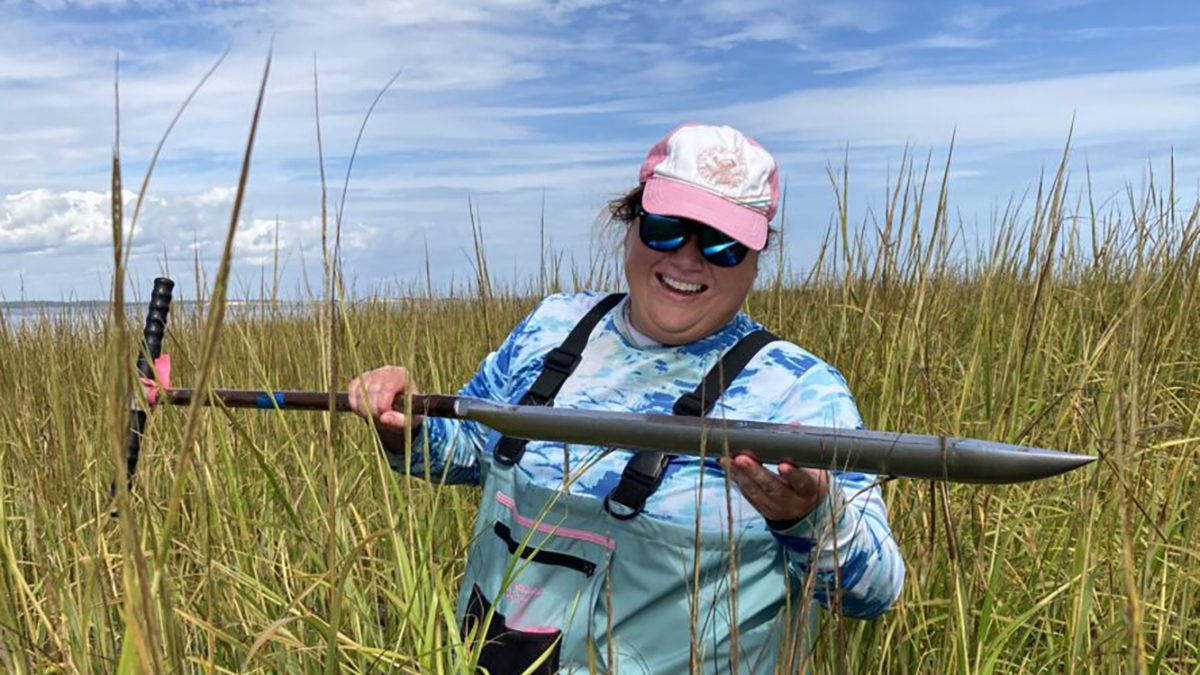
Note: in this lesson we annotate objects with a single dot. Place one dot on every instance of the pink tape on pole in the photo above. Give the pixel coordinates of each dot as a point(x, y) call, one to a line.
point(162, 369)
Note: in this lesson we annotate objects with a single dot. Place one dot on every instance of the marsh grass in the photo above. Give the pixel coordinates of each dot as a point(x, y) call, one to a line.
point(282, 542)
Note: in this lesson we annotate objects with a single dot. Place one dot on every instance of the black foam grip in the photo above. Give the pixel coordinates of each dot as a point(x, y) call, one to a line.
point(153, 333)
point(156, 325)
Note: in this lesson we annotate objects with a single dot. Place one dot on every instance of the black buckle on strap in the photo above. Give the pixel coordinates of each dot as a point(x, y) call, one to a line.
point(689, 405)
point(561, 361)
point(509, 450)
point(557, 366)
point(636, 484)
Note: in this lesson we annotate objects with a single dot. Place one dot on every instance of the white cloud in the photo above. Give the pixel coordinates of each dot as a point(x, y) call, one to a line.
point(39, 221)
point(51, 240)
point(44, 222)
point(258, 241)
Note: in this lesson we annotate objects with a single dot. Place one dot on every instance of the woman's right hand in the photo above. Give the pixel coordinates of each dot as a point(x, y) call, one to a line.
point(373, 393)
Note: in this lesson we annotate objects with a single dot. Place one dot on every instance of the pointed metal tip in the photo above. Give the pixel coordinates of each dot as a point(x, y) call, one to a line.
point(990, 462)
point(1077, 461)
point(1052, 463)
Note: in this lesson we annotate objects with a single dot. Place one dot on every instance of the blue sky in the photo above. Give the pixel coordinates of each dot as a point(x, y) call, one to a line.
point(515, 102)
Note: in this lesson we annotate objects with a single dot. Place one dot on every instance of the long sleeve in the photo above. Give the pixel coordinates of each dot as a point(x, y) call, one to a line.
point(857, 558)
point(450, 448)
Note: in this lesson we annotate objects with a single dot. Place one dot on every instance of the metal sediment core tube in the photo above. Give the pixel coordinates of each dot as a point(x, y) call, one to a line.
point(875, 452)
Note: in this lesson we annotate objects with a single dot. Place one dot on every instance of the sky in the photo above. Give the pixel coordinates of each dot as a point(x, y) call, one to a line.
point(528, 110)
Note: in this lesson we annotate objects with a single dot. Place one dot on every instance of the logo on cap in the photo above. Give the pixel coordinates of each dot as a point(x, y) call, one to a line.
point(722, 167)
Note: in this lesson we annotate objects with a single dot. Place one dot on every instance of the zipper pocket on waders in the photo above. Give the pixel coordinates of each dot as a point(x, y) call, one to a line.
point(541, 555)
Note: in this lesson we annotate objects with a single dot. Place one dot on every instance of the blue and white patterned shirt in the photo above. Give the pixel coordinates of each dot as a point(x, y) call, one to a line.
point(621, 370)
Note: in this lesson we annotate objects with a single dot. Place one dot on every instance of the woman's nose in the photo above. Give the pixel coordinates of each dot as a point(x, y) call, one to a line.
point(689, 255)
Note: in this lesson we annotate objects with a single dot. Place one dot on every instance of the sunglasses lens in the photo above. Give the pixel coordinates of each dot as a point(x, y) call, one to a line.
point(662, 233)
point(666, 234)
point(720, 249)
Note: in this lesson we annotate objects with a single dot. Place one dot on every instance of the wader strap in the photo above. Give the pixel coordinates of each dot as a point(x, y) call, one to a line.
point(644, 473)
point(559, 364)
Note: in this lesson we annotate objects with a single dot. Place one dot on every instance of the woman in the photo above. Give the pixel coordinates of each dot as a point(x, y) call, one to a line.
point(648, 562)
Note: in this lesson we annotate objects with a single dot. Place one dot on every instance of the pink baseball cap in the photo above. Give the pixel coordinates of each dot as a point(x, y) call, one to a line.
point(716, 175)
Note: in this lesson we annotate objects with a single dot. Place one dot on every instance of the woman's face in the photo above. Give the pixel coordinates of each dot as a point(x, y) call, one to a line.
point(679, 297)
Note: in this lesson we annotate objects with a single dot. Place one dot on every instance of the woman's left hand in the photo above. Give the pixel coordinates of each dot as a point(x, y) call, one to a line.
point(789, 495)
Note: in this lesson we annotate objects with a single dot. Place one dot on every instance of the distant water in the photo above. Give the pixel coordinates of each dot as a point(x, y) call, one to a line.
point(88, 313)
point(24, 313)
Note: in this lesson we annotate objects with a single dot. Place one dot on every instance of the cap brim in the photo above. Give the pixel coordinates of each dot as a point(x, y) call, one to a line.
point(668, 197)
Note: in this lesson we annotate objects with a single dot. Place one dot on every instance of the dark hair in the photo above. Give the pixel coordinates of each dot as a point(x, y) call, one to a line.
point(624, 211)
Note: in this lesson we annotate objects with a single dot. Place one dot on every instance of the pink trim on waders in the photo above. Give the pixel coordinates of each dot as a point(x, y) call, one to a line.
point(542, 630)
point(554, 530)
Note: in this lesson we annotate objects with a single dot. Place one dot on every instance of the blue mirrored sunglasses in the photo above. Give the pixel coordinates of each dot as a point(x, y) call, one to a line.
point(668, 233)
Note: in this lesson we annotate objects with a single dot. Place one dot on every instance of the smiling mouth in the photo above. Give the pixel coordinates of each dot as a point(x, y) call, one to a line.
point(680, 286)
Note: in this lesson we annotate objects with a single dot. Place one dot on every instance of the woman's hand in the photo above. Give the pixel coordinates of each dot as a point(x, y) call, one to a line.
point(373, 393)
point(789, 495)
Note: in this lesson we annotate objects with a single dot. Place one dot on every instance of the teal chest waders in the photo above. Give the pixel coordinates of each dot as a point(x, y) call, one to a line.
point(560, 582)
